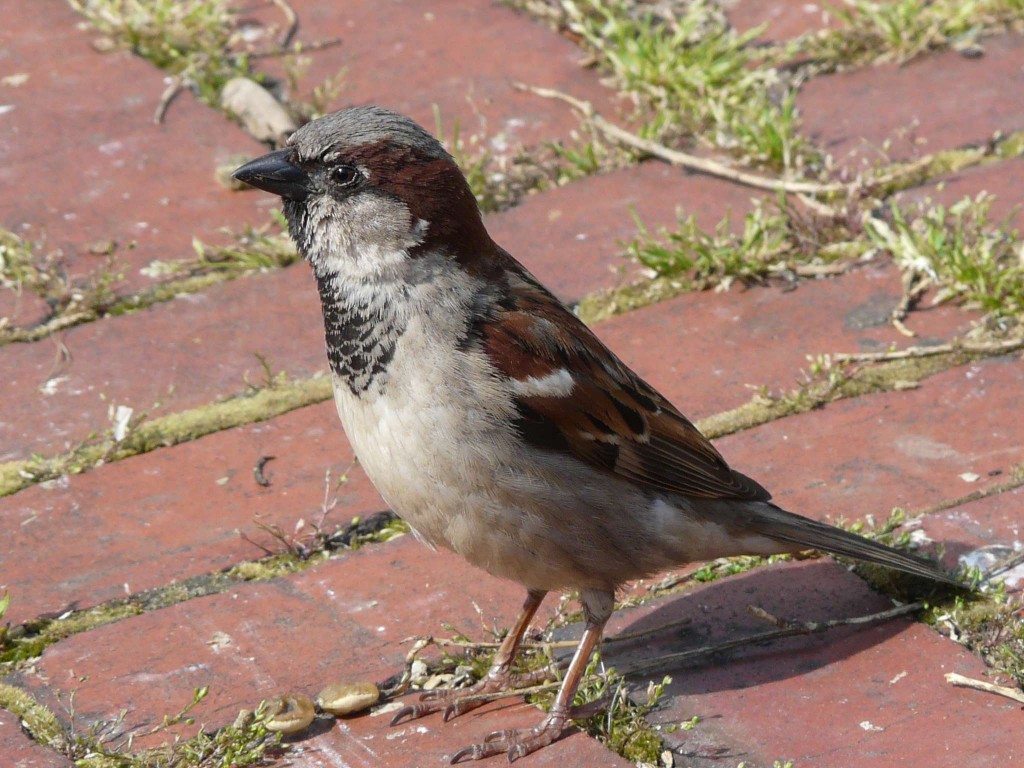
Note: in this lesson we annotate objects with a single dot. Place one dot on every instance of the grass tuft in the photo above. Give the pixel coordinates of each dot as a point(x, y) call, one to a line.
point(968, 257)
point(901, 30)
point(191, 39)
point(695, 76)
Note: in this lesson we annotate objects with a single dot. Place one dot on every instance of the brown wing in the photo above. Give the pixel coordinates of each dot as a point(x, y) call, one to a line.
point(609, 418)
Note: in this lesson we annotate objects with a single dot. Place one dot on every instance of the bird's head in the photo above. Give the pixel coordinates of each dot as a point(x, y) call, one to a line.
point(367, 191)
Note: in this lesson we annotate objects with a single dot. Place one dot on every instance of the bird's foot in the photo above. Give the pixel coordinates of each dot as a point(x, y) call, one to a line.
point(519, 742)
point(458, 701)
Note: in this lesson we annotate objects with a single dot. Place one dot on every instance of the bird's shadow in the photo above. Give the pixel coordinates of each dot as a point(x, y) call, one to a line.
point(718, 613)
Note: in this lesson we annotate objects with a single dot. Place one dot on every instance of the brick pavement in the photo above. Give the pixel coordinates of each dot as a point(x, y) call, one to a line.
point(81, 151)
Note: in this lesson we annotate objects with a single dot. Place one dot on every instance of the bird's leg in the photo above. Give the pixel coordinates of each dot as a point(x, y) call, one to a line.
point(498, 678)
point(518, 742)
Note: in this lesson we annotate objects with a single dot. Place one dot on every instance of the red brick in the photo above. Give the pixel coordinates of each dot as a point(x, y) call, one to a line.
point(1001, 180)
point(462, 55)
point(572, 237)
point(88, 164)
point(20, 751)
point(181, 354)
point(342, 620)
point(708, 352)
point(785, 19)
point(22, 308)
point(170, 514)
point(933, 103)
point(817, 700)
point(908, 449)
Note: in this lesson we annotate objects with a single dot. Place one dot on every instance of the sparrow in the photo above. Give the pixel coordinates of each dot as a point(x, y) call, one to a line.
point(493, 420)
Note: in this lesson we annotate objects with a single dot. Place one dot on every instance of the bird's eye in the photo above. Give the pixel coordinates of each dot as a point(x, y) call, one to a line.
point(346, 175)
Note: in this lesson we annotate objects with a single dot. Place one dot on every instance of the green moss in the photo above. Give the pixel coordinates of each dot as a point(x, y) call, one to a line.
point(190, 39)
point(33, 637)
point(987, 623)
point(245, 742)
point(41, 724)
point(815, 392)
point(958, 249)
point(91, 297)
point(268, 568)
point(624, 728)
point(258, 405)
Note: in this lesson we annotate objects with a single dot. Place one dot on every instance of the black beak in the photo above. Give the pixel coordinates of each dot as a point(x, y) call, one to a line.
point(275, 173)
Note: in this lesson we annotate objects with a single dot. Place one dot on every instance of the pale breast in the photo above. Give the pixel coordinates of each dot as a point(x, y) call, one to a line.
point(429, 439)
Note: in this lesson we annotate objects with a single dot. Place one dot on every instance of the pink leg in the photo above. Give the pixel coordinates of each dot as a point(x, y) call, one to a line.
point(499, 678)
point(520, 742)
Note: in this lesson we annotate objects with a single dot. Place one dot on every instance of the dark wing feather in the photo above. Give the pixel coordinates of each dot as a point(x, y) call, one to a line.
point(611, 419)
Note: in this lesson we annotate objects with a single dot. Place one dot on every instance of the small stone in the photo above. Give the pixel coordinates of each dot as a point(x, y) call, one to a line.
point(102, 247)
point(418, 671)
point(15, 81)
point(263, 116)
point(436, 681)
point(104, 44)
point(346, 698)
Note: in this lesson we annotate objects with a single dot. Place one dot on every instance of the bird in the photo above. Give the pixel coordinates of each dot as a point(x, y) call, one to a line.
point(491, 418)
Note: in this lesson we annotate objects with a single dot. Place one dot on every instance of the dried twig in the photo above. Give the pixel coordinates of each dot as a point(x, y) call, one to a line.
point(915, 284)
point(785, 629)
point(174, 87)
point(1002, 346)
point(980, 685)
point(316, 45)
point(293, 22)
point(448, 642)
point(682, 159)
point(624, 636)
point(811, 270)
point(1017, 558)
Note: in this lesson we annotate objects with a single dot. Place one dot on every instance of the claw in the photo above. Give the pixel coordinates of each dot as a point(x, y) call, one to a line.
point(495, 736)
point(515, 742)
point(412, 711)
point(464, 752)
point(516, 751)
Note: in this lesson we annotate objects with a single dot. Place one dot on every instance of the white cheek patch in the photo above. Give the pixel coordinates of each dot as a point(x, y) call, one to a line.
point(556, 384)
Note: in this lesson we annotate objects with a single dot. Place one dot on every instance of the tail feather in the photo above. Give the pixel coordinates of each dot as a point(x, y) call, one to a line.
point(783, 526)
